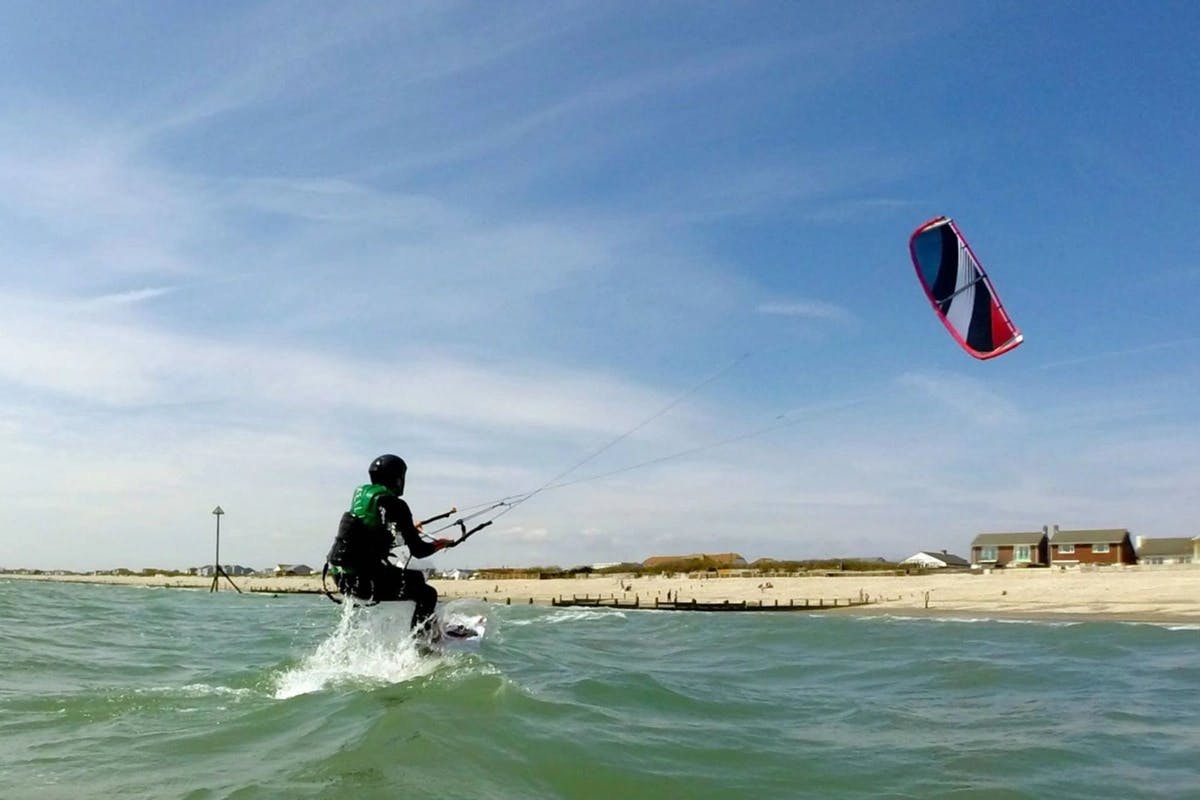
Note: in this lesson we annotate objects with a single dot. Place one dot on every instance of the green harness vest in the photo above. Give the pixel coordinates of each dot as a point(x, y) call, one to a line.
point(365, 504)
point(365, 507)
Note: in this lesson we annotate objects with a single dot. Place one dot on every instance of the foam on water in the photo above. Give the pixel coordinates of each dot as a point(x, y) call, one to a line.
point(575, 615)
point(369, 644)
point(202, 690)
point(1047, 623)
point(1169, 626)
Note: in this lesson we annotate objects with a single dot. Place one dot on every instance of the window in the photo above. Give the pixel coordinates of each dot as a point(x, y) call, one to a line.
point(1021, 552)
point(987, 554)
point(1100, 547)
point(1066, 548)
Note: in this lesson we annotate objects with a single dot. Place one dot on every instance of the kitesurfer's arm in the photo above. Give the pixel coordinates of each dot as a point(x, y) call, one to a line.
point(396, 516)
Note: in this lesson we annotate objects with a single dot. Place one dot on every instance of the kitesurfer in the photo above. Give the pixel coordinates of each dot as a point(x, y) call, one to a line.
point(378, 521)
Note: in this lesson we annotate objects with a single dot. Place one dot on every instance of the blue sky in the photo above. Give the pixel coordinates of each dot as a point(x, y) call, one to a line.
point(244, 248)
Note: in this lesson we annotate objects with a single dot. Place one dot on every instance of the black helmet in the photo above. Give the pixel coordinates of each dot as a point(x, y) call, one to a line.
point(389, 471)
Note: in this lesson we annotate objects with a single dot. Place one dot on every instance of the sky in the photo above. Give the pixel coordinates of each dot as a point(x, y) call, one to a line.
point(247, 247)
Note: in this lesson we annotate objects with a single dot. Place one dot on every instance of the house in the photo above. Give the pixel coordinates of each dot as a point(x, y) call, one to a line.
point(711, 560)
point(292, 569)
point(934, 560)
point(1104, 546)
point(1021, 548)
point(207, 570)
point(1166, 550)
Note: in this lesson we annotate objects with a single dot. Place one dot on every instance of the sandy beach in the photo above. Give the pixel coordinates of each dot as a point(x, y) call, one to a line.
point(1132, 593)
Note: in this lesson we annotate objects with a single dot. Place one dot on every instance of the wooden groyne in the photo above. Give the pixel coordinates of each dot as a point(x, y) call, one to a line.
point(821, 604)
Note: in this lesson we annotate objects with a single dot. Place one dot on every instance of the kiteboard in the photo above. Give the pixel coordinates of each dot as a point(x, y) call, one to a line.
point(458, 632)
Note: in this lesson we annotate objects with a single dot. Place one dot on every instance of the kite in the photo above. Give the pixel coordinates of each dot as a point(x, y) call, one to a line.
point(960, 291)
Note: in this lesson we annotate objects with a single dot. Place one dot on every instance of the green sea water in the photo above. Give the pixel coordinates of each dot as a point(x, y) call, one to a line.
point(165, 693)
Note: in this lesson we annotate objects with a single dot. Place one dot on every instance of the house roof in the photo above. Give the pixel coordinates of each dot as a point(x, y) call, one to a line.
point(1101, 536)
point(1167, 546)
point(718, 559)
point(1019, 537)
point(948, 558)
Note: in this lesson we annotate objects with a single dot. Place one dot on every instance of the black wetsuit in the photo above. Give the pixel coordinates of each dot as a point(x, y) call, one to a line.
point(360, 552)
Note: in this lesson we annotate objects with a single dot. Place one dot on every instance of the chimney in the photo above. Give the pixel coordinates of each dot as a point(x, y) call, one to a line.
point(1137, 542)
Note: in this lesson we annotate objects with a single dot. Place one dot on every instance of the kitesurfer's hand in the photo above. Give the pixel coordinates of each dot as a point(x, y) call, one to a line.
point(442, 544)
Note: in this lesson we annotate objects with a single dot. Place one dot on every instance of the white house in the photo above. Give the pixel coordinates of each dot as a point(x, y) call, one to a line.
point(936, 560)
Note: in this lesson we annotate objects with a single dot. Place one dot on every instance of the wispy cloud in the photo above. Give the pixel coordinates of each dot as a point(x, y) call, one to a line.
point(120, 362)
point(601, 99)
point(130, 297)
point(81, 212)
point(807, 309)
point(1119, 353)
point(761, 185)
point(971, 401)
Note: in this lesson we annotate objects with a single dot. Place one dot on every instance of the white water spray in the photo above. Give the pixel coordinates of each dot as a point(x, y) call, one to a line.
point(369, 644)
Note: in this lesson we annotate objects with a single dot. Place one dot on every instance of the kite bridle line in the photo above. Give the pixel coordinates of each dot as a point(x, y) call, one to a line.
point(507, 504)
point(785, 420)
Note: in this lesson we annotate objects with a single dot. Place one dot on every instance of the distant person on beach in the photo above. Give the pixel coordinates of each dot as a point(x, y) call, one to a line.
point(379, 520)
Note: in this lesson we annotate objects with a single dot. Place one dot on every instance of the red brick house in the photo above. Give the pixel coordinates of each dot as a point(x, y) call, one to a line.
point(1022, 548)
point(1105, 546)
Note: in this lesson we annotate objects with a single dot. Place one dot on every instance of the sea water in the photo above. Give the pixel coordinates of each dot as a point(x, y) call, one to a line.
point(110, 691)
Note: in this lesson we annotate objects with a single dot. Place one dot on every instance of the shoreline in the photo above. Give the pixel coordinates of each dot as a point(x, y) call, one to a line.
point(1130, 594)
point(1039, 616)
